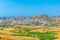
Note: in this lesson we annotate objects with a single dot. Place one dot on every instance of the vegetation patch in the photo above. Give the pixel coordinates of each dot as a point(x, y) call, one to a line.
point(39, 35)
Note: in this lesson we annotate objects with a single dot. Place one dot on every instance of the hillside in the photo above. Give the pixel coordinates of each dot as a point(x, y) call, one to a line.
point(29, 32)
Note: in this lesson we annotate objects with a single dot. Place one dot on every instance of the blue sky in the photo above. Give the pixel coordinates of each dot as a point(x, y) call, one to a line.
point(29, 7)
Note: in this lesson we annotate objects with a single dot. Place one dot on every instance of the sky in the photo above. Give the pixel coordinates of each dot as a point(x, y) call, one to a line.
point(29, 7)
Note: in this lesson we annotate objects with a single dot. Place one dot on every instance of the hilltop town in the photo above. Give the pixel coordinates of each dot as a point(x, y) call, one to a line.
point(39, 20)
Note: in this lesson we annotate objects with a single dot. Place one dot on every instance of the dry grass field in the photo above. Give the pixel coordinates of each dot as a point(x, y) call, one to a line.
point(5, 34)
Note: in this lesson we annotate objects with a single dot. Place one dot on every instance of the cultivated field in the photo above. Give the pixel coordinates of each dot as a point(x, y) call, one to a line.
point(20, 32)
